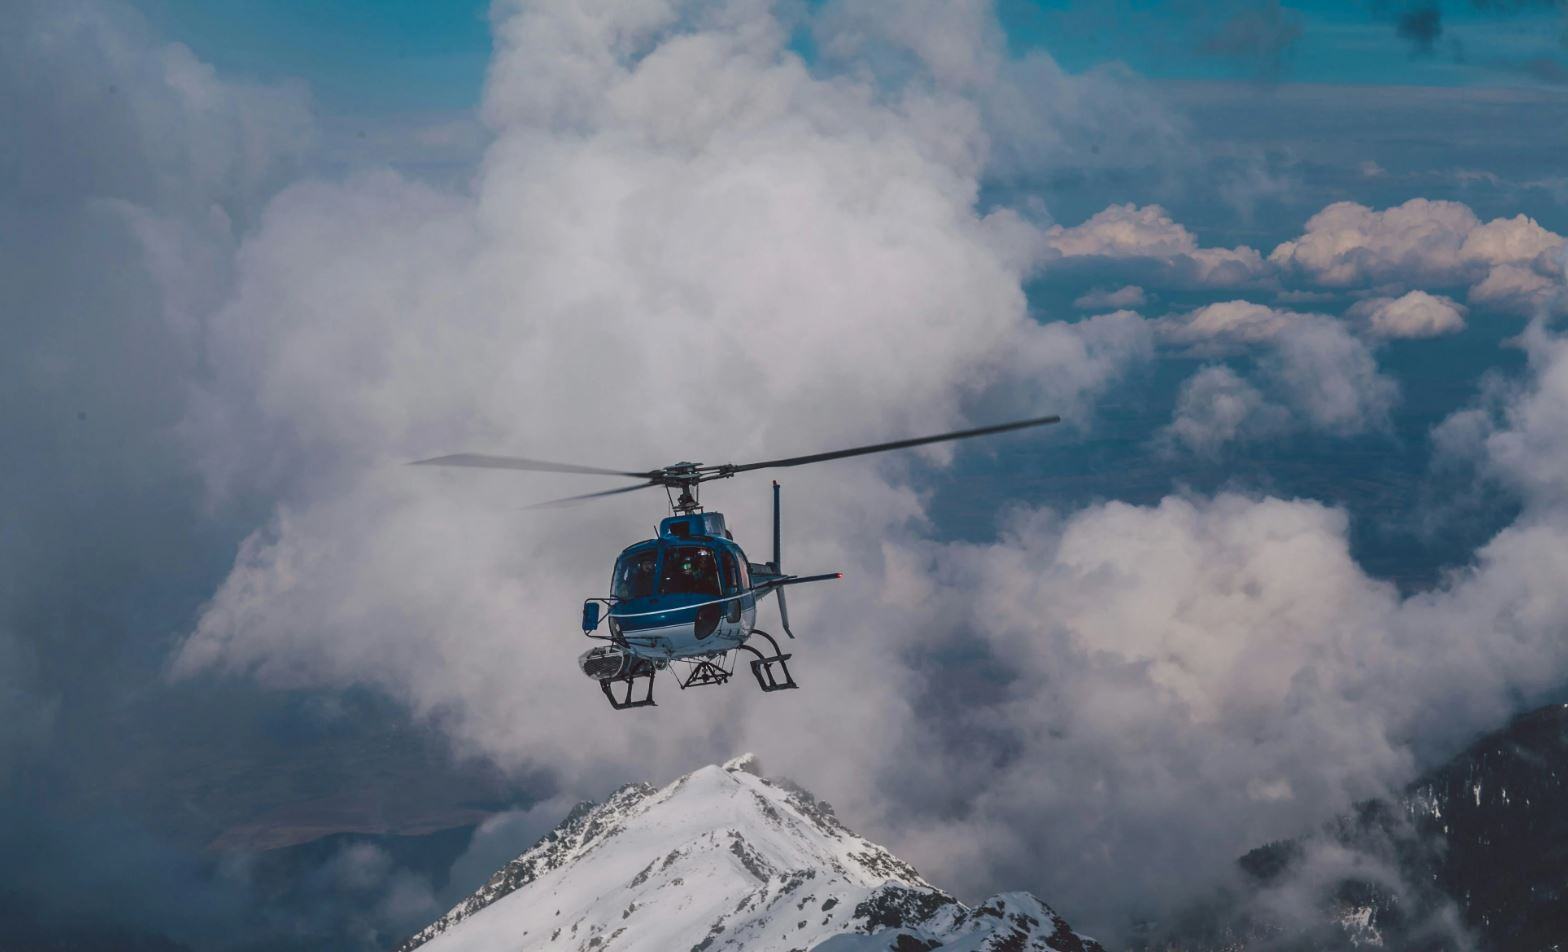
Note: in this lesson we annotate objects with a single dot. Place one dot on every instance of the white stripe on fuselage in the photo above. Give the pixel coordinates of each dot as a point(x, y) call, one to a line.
point(681, 608)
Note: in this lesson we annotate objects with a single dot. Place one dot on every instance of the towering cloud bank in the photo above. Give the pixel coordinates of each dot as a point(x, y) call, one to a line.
point(1172, 675)
point(682, 244)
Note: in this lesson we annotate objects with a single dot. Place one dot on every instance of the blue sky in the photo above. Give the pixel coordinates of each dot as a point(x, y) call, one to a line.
point(358, 56)
point(362, 56)
point(1323, 42)
point(1243, 72)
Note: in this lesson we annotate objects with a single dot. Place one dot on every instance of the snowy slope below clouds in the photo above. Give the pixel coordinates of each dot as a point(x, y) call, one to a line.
point(725, 859)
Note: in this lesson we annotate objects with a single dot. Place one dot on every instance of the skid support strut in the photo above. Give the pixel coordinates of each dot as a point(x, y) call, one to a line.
point(703, 671)
point(771, 671)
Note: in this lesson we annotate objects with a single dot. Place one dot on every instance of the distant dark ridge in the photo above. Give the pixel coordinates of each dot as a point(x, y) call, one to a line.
point(23, 929)
point(1474, 855)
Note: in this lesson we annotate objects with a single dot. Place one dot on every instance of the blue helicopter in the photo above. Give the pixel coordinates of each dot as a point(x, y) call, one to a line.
point(689, 596)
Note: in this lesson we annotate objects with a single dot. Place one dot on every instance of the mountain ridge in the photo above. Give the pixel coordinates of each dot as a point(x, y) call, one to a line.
point(727, 859)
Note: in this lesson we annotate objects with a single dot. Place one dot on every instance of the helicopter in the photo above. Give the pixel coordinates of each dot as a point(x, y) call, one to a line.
point(689, 595)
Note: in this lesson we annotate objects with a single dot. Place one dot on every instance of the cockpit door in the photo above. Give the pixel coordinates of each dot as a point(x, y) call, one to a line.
point(733, 588)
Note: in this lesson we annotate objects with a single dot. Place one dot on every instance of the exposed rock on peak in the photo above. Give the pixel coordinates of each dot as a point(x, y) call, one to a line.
point(746, 763)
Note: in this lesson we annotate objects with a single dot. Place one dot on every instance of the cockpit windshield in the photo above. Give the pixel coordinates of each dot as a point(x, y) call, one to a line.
point(689, 569)
point(635, 573)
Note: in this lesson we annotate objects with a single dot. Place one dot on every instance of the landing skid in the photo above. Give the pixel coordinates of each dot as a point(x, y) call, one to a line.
point(636, 690)
point(771, 671)
point(631, 696)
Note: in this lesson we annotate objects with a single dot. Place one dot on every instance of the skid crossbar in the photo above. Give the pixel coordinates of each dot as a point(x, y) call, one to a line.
point(629, 697)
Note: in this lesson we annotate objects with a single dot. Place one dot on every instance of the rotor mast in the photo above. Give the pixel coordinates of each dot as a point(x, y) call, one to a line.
point(682, 484)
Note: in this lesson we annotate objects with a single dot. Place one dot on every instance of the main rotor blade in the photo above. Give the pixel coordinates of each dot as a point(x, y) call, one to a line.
point(551, 504)
point(481, 461)
point(894, 445)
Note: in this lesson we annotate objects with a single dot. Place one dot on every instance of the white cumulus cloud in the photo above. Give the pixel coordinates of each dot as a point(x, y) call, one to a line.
point(1232, 322)
point(1311, 363)
point(1414, 314)
point(1215, 407)
point(1509, 263)
point(1149, 237)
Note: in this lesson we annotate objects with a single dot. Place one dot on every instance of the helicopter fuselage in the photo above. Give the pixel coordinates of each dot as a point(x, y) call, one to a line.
point(689, 598)
point(686, 593)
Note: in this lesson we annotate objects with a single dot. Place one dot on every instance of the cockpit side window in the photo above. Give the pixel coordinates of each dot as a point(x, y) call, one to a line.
point(635, 574)
point(731, 573)
point(689, 569)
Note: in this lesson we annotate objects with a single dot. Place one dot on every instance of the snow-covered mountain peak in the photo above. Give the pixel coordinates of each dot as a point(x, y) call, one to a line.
point(723, 858)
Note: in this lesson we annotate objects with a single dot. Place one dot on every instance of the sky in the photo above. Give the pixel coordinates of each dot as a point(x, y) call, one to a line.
point(1293, 275)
